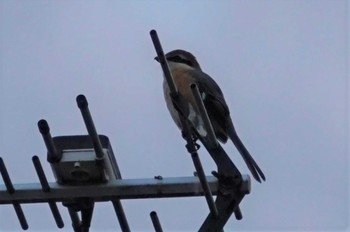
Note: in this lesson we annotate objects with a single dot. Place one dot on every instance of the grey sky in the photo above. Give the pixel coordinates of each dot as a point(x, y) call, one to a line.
point(282, 66)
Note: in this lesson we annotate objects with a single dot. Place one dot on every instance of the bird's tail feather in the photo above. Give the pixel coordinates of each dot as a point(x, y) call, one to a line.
point(252, 165)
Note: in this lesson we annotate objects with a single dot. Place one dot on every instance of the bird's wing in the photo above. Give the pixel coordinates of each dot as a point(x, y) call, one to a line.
point(214, 103)
point(207, 85)
point(219, 115)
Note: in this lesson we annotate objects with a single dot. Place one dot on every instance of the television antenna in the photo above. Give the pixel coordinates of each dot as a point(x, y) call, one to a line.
point(87, 172)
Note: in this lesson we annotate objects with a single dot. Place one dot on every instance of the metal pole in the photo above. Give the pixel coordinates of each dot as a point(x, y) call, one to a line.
point(191, 148)
point(11, 190)
point(164, 63)
point(52, 155)
point(121, 215)
point(6, 177)
point(46, 188)
point(238, 213)
point(203, 113)
point(112, 190)
point(156, 222)
point(76, 223)
point(86, 216)
point(204, 183)
point(186, 130)
point(83, 106)
point(85, 112)
point(39, 170)
point(20, 215)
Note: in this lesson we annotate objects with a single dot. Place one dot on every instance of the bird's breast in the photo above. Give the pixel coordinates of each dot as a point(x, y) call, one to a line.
point(183, 80)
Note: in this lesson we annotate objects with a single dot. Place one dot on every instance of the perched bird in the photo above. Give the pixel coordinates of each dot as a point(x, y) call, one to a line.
point(186, 71)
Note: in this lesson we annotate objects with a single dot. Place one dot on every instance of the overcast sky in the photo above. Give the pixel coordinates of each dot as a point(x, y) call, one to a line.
point(282, 66)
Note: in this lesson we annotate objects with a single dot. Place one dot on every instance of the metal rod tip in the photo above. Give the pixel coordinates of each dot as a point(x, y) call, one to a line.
point(81, 101)
point(43, 126)
point(238, 213)
point(153, 32)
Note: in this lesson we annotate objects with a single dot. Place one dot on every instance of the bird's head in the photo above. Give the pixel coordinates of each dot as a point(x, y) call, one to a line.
point(183, 57)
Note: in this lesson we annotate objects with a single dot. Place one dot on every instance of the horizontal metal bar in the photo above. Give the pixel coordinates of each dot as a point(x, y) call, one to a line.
point(122, 189)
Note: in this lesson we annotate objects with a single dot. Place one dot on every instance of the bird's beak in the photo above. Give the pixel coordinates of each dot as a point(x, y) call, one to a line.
point(156, 58)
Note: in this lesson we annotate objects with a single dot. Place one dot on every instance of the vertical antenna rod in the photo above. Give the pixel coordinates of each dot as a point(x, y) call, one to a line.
point(10, 189)
point(52, 155)
point(186, 130)
point(191, 148)
point(83, 106)
point(121, 215)
point(211, 138)
point(156, 222)
point(86, 216)
point(76, 223)
point(85, 112)
point(163, 62)
point(46, 188)
point(6, 177)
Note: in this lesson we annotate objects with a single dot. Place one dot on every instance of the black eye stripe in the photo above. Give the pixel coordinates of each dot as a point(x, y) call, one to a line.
point(178, 59)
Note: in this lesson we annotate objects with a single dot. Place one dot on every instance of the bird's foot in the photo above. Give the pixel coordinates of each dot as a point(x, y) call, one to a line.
point(192, 147)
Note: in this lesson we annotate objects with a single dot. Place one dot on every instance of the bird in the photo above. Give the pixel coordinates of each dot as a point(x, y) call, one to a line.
point(185, 71)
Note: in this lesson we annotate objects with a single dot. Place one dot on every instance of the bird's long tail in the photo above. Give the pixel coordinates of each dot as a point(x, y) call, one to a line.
point(252, 165)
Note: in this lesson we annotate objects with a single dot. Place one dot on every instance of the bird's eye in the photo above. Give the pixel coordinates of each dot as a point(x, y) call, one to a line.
point(179, 59)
